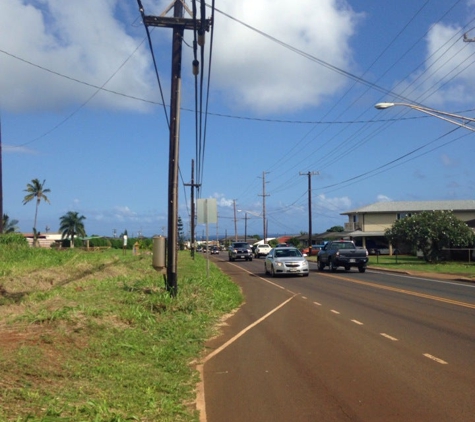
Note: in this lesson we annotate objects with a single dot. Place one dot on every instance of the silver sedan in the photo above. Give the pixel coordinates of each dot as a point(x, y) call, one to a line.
point(286, 261)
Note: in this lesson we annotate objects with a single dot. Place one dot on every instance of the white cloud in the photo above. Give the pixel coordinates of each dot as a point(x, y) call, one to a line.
point(122, 212)
point(334, 204)
point(222, 201)
point(447, 161)
point(383, 198)
point(80, 39)
point(94, 40)
point(446, 77)
point(260, 74)
point(17, 149)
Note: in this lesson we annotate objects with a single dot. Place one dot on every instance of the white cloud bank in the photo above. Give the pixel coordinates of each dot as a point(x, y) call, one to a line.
point(96, 40)
point(82, 39)
point(259, 74)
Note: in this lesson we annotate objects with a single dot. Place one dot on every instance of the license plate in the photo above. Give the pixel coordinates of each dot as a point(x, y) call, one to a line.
point(293, 270)
point(243, 256)
point(352, 260)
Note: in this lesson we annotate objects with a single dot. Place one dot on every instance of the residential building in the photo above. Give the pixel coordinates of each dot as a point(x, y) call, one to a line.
point(366, 225)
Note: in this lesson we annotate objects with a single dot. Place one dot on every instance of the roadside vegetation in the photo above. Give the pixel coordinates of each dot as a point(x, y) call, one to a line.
point(94, 336)
point(414, 264)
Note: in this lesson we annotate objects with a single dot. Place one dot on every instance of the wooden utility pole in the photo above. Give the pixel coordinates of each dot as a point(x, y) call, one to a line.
point(1, 182)
point(178, 23)
point(264, 224)
point(193, 186)
point(309, 174)
point(235, 222)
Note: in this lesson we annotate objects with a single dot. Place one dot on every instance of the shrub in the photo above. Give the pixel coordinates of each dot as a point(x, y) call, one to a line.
point(16, 239)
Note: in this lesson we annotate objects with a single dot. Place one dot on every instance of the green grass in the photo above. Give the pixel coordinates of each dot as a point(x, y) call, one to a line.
point(412, 263)
point(95, 337)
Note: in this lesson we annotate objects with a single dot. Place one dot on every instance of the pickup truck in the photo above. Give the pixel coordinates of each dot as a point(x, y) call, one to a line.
point(262, 250)
point(342, 253)
point(240, 250)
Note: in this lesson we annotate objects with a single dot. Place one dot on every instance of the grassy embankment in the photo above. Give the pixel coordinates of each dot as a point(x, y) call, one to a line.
point(94, 337)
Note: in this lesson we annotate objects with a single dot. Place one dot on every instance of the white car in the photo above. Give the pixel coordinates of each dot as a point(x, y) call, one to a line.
point(262, 250)
point(286, 261)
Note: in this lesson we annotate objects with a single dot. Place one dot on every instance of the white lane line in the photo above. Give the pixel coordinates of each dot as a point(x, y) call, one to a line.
point(357, 322)
point(443, 362)
point(389, 337)
point(335, 312)
point(200, 395)
point(318, 304)
point(304, 297)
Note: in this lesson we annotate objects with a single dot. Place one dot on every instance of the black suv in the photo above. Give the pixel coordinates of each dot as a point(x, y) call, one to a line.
point(240, 250)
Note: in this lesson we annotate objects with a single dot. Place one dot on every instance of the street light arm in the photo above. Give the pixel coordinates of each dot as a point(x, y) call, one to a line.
point(432, 112)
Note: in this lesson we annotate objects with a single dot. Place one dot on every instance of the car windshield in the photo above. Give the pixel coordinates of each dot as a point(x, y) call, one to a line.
point(241, 245)
point(286, 253)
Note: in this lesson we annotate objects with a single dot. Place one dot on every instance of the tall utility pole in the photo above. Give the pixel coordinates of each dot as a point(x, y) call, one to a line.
point(235, 222)
point(192, 226)
point(264, 228)
point(309, 174)
point(178, 23)
point(1, 182)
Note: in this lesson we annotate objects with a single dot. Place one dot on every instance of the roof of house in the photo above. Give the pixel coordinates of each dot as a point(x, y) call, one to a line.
point(414, 206)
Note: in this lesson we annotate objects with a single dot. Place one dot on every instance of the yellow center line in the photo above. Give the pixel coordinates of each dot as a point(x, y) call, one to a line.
point(407, 292)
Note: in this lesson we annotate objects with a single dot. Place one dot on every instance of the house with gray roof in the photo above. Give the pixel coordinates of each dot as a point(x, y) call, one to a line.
point(366, 225)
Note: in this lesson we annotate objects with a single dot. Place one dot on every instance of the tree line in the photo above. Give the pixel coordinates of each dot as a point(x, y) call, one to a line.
point(71, 224)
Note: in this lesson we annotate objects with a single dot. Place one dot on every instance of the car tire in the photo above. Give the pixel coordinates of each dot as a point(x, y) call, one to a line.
point(250, 259)
point(361, 269)
point(265, 269)
point(332, 266)
point(347, 268)
point(229, 257)
point(273, 272)
point(321, 266)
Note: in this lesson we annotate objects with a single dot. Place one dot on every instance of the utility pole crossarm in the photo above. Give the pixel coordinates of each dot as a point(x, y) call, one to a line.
point(170, 22)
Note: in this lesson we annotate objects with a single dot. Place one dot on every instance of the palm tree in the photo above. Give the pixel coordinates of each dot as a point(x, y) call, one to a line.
point(9, 226)
point(71, 224)
point(36, 190)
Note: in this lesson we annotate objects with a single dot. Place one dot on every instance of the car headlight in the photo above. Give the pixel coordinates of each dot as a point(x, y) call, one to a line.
point(279, 264)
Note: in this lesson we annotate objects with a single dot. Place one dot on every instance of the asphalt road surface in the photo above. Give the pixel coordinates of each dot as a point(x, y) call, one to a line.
point(342, 346)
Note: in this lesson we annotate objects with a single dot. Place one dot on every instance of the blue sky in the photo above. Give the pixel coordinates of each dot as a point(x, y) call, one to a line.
point(292, 90)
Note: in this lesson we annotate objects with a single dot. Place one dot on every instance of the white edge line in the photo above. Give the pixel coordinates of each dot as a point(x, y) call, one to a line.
point(200, 394)
point(443, 362)
point(389, 337)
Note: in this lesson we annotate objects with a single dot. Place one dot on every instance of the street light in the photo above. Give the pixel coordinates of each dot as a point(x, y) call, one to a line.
point(443, 115)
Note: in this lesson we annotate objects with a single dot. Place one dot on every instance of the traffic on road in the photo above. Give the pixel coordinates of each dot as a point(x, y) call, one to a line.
point(343, 346)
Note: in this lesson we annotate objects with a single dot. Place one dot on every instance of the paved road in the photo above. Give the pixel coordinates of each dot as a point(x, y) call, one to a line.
point(343, 347)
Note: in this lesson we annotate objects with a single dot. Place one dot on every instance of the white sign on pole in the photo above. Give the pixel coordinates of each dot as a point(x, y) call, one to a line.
point(207, 210)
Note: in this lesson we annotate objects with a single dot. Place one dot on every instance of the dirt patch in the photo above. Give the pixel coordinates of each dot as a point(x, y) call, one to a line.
point(49, 339)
